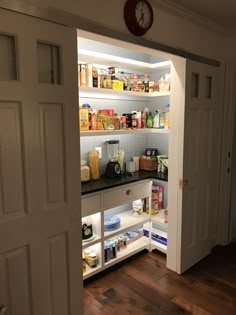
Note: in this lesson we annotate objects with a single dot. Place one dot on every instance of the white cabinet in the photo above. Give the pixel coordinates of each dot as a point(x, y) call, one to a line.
point(118, 202)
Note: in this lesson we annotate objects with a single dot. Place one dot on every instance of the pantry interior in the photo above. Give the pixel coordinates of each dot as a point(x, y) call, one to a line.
point(98, 204)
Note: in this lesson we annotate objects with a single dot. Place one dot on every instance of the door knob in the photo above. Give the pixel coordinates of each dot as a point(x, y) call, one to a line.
point(185, 182)
point(3, 309)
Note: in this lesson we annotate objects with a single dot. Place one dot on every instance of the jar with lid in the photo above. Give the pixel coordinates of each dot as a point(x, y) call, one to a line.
point(87, 252)
point(92, 260)
point(85, 171)
point(94, 165)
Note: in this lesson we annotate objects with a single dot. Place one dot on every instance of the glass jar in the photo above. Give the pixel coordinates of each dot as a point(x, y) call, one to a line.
point(94, 165)
point(92, 260)
point(85, 171)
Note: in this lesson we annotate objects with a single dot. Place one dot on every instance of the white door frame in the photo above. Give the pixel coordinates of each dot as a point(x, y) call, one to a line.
point(224, 219)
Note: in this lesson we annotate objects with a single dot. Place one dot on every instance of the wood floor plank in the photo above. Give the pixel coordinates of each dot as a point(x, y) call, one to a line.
point(143, 285)
point(190, 307)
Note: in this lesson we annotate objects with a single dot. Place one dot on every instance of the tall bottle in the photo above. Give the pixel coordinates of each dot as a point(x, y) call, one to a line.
point(146, 83)
point(156, 118)
point(149, 120)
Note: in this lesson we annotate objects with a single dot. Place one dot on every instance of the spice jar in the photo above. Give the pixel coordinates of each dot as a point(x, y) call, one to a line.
point(122, 122)
point(85, 171)
point(94, 164)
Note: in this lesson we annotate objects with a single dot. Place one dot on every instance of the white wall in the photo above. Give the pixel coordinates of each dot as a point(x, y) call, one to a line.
point(169, 28)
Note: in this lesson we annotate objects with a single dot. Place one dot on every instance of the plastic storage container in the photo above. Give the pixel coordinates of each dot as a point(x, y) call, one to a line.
point(94, 165)
point(85, 171)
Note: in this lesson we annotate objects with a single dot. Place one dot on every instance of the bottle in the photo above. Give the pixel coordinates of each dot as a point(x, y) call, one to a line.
point(95, 77)
point(146, 83)
point(134, 120)
point(94, 165)
point(143, 119)
point(124, 79)
point(122, 122)
point(156, 120)
point(162, 117)
point(138, 118)
point(149, 120)
point(167, 118)
point(93, 121)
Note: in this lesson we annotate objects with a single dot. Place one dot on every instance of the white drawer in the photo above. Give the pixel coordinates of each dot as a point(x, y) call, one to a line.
point(124, 194)
point(91, 204)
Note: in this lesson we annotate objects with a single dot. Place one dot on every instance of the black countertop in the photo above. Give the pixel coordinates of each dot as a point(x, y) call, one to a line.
point(105, 182)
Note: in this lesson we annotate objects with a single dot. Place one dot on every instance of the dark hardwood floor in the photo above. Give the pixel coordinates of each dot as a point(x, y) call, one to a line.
point(143, 285)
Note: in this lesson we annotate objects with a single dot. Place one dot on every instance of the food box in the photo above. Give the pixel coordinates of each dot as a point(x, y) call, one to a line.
point(83, 119)
point(117, 85)
point(157, 198)
point(157, 235)
point(133, 235)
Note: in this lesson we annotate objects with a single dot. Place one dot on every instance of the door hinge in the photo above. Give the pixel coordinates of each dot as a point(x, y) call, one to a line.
point(180, 183)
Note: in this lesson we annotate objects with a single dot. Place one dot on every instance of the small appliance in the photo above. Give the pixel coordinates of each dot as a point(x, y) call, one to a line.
point(113, 168)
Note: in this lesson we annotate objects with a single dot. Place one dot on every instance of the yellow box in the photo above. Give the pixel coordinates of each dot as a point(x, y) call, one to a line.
point(117, 85)
point(83, 119)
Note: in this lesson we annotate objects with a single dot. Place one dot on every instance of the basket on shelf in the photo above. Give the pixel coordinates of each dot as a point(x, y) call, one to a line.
point(148, 164)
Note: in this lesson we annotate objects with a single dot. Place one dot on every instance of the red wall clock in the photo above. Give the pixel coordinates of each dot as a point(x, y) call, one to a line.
point(138, 16)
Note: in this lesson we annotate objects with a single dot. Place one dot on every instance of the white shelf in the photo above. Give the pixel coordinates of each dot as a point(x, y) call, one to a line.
point(96, 240)
point(131, 249)
point(122, 132)
point(162, 248)
point(160, 219)
point(91, 271)
point(105, 60)
point(101, 93)
point(127, 221)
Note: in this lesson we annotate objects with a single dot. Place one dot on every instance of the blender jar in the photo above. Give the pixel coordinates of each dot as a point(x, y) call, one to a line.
point(112, 150)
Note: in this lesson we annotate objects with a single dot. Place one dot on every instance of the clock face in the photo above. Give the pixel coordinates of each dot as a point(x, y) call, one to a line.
point(143, 14)
point(138, 16)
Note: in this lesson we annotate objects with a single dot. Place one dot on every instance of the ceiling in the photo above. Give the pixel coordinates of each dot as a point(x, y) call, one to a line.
point(222, 13)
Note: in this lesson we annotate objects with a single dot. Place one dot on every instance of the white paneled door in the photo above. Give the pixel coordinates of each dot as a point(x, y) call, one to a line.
point(201, 163)
point(40, 241)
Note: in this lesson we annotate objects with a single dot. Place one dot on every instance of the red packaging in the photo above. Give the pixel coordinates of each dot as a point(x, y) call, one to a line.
point(157, 198)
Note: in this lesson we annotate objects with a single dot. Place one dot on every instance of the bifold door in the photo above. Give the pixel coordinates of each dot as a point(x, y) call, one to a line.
point(40, 242)
point(201, 163)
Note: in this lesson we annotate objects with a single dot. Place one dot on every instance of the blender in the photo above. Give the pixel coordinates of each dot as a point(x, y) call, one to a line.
point(113, 167)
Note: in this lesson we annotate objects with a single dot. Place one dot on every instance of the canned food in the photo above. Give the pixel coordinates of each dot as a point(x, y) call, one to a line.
point(107, 253)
